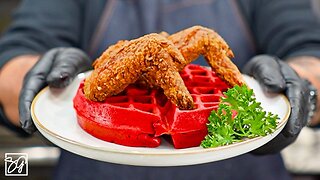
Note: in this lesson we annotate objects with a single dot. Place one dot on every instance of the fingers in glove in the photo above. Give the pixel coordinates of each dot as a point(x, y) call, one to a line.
point(298, 94)
point(266, 70)
point(34, 81)
point(68, 63)
point(24, 111)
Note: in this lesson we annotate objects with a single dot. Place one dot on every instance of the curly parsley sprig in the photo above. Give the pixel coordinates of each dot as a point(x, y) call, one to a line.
point(238, 116)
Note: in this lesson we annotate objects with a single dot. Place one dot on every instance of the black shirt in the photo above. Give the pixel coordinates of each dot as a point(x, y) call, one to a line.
point(279, 27)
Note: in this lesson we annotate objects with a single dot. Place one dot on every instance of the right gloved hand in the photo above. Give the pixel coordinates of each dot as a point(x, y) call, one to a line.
point(56, 68)
point(278, 77)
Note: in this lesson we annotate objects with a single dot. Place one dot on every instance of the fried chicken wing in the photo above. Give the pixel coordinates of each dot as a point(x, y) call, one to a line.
point(199, 40)
point(125, 62)
point(110, 52)
point(156, 60)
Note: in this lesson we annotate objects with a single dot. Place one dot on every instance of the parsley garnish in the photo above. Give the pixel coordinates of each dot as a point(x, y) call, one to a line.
point(238, 116)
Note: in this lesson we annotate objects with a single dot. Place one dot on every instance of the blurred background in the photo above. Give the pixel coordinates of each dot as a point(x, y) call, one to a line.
point(302, 159)
point(42, 154)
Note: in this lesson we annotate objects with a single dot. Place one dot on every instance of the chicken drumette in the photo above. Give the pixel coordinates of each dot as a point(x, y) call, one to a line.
point(125, 62)
point(156, 60)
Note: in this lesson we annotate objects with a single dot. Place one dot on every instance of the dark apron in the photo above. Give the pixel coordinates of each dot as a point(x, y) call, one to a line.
point(127, 19)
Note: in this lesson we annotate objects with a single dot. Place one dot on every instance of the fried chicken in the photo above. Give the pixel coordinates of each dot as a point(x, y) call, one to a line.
point(125, 62)
point(199, 40)
point(156, 60)
point(110, 52)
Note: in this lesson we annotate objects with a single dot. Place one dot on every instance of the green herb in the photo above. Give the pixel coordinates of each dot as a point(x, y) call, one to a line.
point(238, 116)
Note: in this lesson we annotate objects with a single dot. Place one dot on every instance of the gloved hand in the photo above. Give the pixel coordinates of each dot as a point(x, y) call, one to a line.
point(56, 68)
point(278, 77)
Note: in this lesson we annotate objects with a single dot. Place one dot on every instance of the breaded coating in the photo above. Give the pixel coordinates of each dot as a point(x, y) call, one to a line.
point(155, 60)
point(124, 63)
point(199, 40)
point(111, 51)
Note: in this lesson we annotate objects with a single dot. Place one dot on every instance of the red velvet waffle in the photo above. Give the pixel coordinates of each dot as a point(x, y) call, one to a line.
point(138, 117)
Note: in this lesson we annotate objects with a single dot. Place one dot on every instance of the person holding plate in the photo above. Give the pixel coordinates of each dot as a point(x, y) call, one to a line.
point(276, 42)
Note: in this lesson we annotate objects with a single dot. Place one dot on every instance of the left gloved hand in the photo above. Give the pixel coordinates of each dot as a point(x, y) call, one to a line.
point(55, 68)
point(276, 76)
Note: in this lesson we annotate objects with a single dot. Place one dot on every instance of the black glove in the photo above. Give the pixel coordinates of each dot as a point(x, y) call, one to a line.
point(56, 68)
point(278, 77)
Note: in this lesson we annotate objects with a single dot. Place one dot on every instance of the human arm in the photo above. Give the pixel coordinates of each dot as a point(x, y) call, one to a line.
point(37, 27)
point(55, 68)
point(288, 31)
point(308, 67)
point(12, 75)
point(287, 28)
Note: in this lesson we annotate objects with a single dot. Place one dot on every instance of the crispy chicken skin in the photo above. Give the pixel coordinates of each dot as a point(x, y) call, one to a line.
point(199, 40)
point(125, 62)
point(110, 52)
point(156, 59)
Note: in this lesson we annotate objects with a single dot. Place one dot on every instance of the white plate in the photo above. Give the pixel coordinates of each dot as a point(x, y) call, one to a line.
point(55, 118)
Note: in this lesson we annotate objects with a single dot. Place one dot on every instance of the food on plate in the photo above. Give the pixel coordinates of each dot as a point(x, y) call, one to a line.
point(157, 60)
point(151, 54)
point(199, 40)
point(146, 88)
point(139, 116)
point(238, 116)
